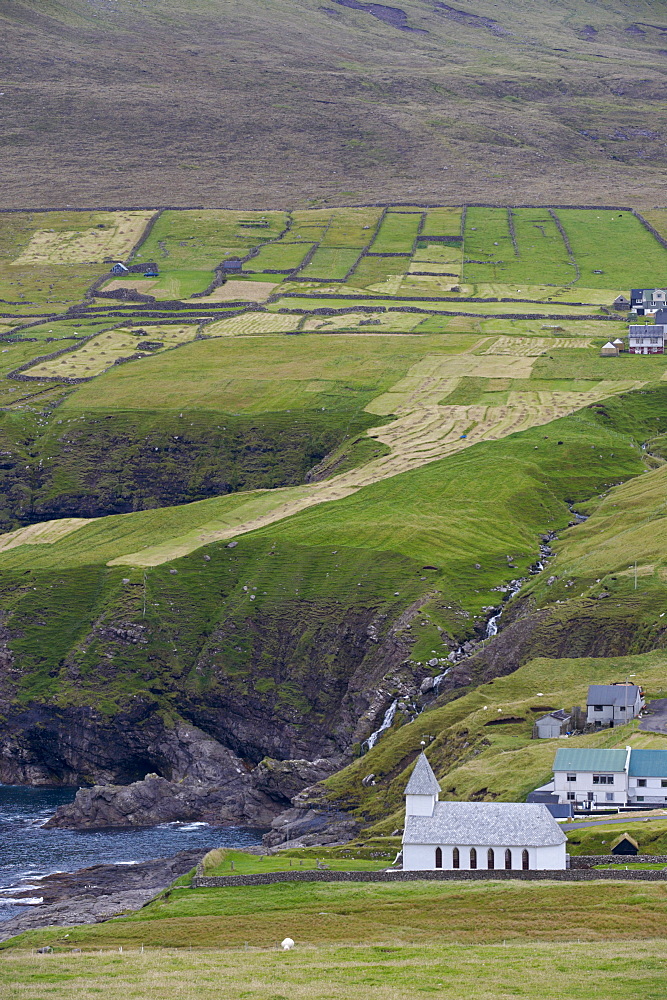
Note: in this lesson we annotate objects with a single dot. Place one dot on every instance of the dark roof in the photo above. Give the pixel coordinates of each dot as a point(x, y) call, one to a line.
point(648, 764)
point(496, 824)
point(559, 714)
point(422, 780)
point(612, 694)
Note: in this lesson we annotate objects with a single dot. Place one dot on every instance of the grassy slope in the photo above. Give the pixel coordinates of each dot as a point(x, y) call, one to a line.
point(363, 556)
point(424, 912)
point(536, 101)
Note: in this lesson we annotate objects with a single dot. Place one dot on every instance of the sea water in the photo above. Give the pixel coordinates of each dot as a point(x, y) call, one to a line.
point(27, 850)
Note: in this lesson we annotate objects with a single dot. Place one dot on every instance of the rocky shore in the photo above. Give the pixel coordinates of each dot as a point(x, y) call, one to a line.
point(91, 895)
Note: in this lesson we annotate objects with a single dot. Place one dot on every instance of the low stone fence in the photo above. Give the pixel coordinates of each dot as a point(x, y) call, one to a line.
point(584, 861)
point(481, 875)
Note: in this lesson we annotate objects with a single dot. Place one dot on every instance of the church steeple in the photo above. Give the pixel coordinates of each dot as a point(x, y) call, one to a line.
point(422, 790)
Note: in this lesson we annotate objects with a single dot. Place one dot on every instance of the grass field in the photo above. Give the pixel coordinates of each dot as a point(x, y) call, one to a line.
point(397, 233)
point(610, 250)
point(382, 972)
point(330, 263)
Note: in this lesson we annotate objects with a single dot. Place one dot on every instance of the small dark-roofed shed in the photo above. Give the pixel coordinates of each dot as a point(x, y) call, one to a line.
point(625, 844)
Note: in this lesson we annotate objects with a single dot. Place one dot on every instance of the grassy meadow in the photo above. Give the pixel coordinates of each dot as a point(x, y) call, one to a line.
point(382, 971)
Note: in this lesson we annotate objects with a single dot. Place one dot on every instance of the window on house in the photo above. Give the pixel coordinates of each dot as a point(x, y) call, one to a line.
point(603, 779)
point(571, 797)
point(621, 708)
point(490, 859)
point(609, 796)
point(663, 783)
point(456, 860)
point(525, 860)
point(640, 798)
point(641, 782)
point(473, 857)
point(598, 708)
point(571, 777)
point(508, 859)
point(438, 857)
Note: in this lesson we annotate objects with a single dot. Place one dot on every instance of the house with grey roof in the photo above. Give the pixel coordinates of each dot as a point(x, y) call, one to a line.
point(475, 835)
point(613, 704)
point(646, 301)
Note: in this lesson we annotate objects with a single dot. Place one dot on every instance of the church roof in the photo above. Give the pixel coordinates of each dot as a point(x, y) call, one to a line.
point(493, 824)
point(422, 780)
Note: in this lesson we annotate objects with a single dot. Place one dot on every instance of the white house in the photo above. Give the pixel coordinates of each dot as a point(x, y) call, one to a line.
point(590, 778)
point(647, 777)
point(648, 339)
point(613, 704)
point(475, 835)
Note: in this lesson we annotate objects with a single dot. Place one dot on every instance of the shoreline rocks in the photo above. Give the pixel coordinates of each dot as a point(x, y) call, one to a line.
point(92, 895)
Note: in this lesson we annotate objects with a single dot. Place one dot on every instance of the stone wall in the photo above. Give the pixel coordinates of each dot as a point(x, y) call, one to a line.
point(570, 875)
point(591, 860)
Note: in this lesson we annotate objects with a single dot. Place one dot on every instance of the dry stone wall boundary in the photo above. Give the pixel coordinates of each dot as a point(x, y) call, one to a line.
point(568, 875)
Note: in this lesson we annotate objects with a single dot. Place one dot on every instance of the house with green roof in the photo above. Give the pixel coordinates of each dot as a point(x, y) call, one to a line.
point(647, 777)
point(591, 778)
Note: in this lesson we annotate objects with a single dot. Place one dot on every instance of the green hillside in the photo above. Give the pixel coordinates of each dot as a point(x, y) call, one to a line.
point(263, 516)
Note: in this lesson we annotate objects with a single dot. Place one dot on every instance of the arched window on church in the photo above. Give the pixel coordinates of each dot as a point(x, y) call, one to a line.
point(490, 859)
point(438, 857)
point(525, 861)
point(456, 859)
point(473, 857)
point(508, 860)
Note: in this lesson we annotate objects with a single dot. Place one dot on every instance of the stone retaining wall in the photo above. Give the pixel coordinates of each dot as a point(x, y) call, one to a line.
point(591, 860)
point(570, 875)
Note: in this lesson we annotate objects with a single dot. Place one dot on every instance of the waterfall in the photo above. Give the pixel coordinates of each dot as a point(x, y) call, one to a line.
point(491, 626)
point(386, 723)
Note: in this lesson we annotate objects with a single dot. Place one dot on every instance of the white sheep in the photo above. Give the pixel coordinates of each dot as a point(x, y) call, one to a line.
point(286, 944)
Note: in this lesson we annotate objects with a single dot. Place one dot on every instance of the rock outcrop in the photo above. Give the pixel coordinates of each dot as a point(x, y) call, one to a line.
point(94, 894)
point(156, 800)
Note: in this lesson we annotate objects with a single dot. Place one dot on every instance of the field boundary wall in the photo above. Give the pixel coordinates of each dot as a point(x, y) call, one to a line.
point(567, 875)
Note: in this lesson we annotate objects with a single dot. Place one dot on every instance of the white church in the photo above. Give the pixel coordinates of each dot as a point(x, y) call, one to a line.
point(482, 835)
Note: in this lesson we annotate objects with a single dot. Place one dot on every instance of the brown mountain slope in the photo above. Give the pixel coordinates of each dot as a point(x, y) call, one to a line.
point(313, 101)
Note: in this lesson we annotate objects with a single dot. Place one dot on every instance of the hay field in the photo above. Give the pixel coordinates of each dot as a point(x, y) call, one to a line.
point(234, 290)
point(425, 430)
point(103, 351)
point(120, 232)
point(364, 322)
point(251, 324)
point(265, 372)
point(526, 346)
